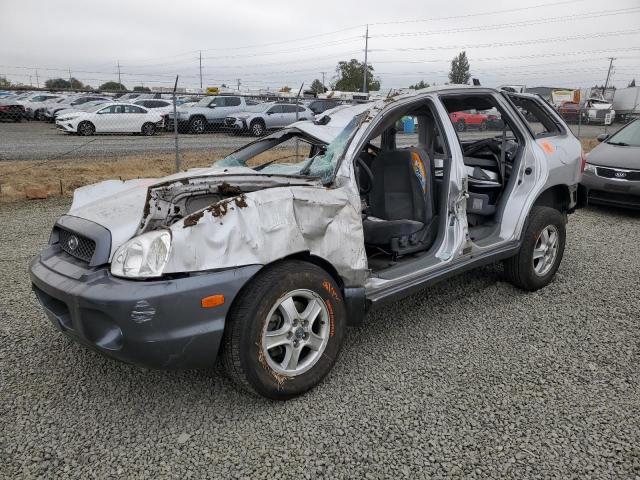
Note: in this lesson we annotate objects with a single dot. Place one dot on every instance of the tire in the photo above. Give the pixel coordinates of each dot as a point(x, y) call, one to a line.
point(461, 126)
point(525, 271)
point(148, 129)
point(289, 286)
point(37, 115)
point(257, 128)
point(483, 126)
point(86, 129)
point(197, 125)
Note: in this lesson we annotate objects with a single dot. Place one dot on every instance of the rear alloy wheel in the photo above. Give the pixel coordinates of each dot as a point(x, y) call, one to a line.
point(540, 254)
point(197, 125)
point(257, 128)
point(483, 126)
point(284, 331)
point(461, 126)
point(86, 129)
point(148, 129)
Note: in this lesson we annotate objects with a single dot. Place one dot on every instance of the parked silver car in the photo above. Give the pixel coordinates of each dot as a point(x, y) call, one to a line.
point(267, 256)
point(208, 114)
point(267, 116)
point(612, 173)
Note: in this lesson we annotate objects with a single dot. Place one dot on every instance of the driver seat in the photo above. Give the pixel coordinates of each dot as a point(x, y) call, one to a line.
point(401, 209)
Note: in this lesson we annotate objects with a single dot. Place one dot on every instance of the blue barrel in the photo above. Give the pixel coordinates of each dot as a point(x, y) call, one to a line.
point(409, 125)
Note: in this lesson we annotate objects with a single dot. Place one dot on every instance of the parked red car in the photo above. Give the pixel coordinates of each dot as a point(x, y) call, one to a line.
point(569, 111)
point(468, 118)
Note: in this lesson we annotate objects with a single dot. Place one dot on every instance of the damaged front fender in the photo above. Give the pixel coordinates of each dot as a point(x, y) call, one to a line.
point(263, 226)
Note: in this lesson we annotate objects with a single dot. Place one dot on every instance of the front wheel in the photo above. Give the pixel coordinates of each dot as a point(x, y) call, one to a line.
point(461, 126)
point(257, 128)
point(285, 330)
point(86, 129)
point(197, 125)
point(543, 241)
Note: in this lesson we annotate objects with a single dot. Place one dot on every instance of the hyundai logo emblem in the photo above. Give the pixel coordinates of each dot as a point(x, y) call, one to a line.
point(621, 174)
point(72, 243)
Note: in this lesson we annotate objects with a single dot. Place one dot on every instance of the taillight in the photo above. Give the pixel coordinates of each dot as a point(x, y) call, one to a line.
point(583, 161)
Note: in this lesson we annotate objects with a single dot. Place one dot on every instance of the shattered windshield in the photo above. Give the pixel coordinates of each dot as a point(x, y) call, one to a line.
point(290, 152)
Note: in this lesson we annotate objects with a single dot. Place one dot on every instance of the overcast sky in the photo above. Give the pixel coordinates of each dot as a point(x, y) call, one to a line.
point(276, 43)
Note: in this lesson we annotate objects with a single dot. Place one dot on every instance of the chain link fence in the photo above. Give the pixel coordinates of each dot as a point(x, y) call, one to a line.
point(55, 142)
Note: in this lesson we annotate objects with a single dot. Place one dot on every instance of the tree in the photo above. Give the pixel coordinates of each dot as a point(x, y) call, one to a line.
point(141, 89)
point(632, 83)
point(317, 87)
point(4, 83)
point(285, 89)
point(112, 86)
point(459, 73)
point(76, 84)
point(419, 85)
point(57, 84)
point(351, 77)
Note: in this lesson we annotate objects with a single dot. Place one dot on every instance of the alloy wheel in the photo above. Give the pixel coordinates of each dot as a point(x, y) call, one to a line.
point(545, 250)
point(296, 332)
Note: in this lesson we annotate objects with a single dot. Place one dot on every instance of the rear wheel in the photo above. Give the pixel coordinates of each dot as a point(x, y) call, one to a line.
point(148, 129)
point(257, 128)
point(86, 129)
point(284, 331)
point(483, 126)
point(543, 241)
point(461, 126)
point(197, 125)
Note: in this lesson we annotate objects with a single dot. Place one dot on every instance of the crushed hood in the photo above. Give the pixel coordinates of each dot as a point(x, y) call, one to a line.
point(121, 206)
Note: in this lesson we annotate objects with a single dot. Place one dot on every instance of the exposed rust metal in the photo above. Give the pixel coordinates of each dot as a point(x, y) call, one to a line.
point(193, 219)
point(218, 209)
point(226, 189)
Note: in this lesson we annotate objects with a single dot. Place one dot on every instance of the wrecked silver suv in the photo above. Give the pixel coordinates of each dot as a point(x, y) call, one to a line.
point(266, 257)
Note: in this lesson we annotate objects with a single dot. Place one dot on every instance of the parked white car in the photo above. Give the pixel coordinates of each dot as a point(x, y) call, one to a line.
point(34, 106)
point(111, 118)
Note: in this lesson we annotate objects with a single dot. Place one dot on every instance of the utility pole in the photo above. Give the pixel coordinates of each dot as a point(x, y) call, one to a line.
point(37, 79)
point(323, 87)
point(238, 80)
point(70, 82)
point(366, 51)
point(200, 69)
point(119, 81)
point(606, 83)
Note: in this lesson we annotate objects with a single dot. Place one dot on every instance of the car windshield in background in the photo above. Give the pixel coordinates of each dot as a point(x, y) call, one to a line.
point(629, 136)
point(268, 156)
point(204, 102)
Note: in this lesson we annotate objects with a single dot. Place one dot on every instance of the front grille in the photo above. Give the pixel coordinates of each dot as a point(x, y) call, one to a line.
point(632, 175)
point(82, 247)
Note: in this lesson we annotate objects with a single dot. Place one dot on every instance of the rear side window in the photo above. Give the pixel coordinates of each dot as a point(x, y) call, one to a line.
point(537, 118)
point(232, 102)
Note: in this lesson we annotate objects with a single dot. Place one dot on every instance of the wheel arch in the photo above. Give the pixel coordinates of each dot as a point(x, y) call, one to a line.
point(556, 196)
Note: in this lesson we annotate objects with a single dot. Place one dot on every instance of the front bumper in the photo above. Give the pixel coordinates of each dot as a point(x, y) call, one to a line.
point(237, 124)
point(155, 324)
point(611, 191)
point(66, 126)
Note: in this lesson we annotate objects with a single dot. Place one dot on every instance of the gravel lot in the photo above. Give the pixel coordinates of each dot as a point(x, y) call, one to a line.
point(40, 141)
point(471, 379)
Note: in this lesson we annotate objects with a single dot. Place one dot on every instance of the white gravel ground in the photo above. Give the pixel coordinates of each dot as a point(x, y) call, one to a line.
point(472, 379)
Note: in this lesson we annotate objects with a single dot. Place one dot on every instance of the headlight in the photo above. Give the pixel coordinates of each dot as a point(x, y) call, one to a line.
point(67, 118)
point(242, 117)
point(590, 168)
point(144, 256)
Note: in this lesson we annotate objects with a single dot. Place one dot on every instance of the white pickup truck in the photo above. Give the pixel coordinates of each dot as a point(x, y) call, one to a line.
point(208, 114)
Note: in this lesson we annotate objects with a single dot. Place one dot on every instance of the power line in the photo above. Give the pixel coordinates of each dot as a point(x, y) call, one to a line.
point(512, 43)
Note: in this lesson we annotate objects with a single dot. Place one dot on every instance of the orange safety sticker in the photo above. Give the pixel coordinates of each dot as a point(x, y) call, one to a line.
point(547, 147)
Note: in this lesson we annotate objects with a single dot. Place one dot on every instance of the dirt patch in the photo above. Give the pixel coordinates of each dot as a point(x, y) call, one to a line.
point(62, 177)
